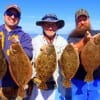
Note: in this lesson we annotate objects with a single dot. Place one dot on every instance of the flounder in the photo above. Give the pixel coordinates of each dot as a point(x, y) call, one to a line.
point(3, 65)
point(45, 65)
point(20, 66)
point(69, 63)
point(90, 56)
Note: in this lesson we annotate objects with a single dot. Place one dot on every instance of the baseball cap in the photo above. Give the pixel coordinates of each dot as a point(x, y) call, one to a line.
point(81, 12)
point(14, 6)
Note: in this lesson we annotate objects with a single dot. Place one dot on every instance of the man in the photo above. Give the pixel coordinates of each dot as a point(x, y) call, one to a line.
point(82, 90)
point(50, 25)
point(8, 31)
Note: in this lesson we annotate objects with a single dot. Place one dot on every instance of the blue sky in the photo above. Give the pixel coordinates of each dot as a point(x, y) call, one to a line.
point(33, 10)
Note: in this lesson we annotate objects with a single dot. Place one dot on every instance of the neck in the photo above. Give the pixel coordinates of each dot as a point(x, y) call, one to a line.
point(8, 28)
point(49, 39)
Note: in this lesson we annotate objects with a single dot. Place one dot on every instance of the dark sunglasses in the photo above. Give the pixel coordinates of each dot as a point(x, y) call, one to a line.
point(9, 13)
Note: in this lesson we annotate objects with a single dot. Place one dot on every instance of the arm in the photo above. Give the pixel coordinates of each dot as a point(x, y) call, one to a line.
point(83, 41)
point(26, 43)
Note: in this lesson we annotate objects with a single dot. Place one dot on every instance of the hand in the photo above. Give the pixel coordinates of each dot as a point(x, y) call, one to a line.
point(36, 80)
point(14, 40)
point(74, 45)
point(87, 36)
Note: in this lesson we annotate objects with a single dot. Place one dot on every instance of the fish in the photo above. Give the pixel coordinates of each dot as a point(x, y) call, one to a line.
point(20, 67)
point(97, 39)
point(69, 64)
point(3, 64)
point(45, 65)
point(90, 57)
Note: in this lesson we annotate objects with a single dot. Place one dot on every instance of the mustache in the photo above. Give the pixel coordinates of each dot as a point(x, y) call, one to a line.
point(82, 29)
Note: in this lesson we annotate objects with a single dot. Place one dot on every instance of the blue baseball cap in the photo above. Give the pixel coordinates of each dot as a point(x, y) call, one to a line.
point(13, 6)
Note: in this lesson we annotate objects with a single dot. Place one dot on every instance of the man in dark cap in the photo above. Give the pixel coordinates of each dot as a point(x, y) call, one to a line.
point(82, 90)
point(10, 32)
point(50, 25)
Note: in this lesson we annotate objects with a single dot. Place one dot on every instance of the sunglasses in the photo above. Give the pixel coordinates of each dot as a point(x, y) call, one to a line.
point(10, 13)
point(50, 24)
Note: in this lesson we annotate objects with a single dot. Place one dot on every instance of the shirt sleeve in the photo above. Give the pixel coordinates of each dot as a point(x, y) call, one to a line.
point(26, 43)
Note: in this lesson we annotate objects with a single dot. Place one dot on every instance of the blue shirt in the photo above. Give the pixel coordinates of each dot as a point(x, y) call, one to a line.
point(26, 42)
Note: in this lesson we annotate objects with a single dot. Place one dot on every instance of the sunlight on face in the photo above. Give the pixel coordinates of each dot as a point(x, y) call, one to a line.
point(11, 18)
point(82, 22)
point(50, 28)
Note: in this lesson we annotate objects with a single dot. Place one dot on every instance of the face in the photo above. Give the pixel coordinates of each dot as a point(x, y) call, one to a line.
point(11, 18)
point(50, 28)
point(82, 24)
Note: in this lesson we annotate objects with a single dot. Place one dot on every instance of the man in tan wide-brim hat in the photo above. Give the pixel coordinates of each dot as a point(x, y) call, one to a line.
point(50, 24)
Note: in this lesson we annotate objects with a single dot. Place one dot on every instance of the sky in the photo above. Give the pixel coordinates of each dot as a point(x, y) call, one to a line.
point(34, 10)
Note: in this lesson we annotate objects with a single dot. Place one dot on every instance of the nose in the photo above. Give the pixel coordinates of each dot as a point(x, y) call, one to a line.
point(50, 28)
point(82, 21)
point(12, 16)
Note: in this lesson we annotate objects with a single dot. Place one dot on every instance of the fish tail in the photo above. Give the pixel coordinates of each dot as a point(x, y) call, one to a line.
point(67, 83)
point(21, 92)
point(42, 86)
point(89, 77)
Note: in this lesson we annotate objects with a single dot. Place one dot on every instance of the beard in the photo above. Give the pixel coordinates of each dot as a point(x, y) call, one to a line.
point(50, 37)
point(81, 30)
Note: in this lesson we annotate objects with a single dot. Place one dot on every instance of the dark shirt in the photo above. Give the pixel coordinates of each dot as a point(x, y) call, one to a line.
point(80, 74)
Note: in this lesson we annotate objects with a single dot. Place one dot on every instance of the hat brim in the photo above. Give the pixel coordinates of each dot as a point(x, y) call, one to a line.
point(59, 23)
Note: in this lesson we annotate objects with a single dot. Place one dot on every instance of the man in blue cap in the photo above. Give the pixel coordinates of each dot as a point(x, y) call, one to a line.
point(9, 30)
point(50, 25)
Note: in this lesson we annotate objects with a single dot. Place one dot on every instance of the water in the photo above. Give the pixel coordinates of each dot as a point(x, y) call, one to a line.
point(63, 35)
